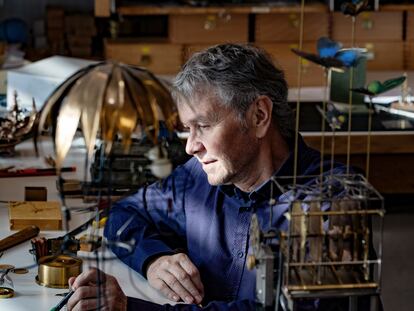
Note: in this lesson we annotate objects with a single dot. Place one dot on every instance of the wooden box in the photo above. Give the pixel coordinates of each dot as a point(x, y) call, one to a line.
point(312, 75)
point(284, 27)
point(45, 215)
point(208, 28)
point(370, 26)
point(159, 58)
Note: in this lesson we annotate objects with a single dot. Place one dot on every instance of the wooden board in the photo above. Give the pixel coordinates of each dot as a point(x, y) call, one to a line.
point(45, 215)
point(138, 9)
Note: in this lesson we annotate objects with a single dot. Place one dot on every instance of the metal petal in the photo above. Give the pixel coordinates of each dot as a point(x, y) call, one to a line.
point(147, 103)
point(139, 97)
point(127, 120)
point(113, 102)
point(54, 101)
point(67, 122)
point(91, 95)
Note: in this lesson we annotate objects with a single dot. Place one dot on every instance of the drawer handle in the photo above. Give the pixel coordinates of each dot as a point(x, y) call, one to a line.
point(370, 55)
point(211, 20)
point(145, 60)
point(294, 20)
point(210, 23)
point(367, 21)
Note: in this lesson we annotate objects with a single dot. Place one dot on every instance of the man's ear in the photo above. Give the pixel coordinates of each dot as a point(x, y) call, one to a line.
point(262, 115)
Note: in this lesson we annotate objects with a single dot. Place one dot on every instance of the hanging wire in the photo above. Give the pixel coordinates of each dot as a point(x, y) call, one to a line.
point(328, 72)
point(299, 85)
point(350, 92)
point(370, 112)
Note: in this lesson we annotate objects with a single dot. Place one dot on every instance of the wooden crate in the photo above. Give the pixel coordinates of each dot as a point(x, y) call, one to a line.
point(160, 58)
point(284, 27)
point(208, 28)
point(312, 75)
point(45, 215)
point(370, 26)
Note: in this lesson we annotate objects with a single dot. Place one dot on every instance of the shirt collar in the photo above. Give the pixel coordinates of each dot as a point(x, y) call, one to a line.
point(264, 191)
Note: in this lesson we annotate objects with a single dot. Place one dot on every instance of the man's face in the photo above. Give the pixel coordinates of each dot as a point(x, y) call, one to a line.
point(218, 140)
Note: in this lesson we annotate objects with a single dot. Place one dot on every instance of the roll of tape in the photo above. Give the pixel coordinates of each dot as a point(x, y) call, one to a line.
point(55, 271)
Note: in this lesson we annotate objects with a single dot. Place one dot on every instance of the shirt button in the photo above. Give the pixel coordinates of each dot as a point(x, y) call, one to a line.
point(240, 254)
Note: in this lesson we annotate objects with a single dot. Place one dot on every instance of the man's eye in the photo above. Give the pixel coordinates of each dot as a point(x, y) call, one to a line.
point(203, 126)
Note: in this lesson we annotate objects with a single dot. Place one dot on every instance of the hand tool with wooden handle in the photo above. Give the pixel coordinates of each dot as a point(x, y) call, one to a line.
point(19, 237)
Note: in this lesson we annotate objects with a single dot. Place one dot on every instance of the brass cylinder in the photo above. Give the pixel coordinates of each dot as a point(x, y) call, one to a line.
point(55, 271)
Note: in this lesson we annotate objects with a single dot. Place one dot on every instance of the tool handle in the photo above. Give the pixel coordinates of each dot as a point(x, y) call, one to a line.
point(19, 237)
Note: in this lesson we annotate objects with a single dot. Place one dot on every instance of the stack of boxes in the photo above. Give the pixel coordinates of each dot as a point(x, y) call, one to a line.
point(79, 30)
point(55, 23)
point(70, 34)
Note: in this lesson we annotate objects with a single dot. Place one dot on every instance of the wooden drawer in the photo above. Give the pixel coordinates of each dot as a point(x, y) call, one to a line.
point(410, 26)
point(284, 27)
point(370, 26)
point(409, 55)
point(384, 55)
point(208, 28)
point(160, 58)
point(312, 75)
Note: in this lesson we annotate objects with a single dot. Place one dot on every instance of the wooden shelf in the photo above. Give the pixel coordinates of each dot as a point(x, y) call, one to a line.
point(235, 9)
point(397, 7)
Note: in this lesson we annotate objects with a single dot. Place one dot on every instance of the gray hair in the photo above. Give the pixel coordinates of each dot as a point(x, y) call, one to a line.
point(236, 74)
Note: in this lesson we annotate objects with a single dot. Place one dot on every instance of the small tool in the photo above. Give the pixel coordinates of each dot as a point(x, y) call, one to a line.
point(19, 237)
point(63, 302)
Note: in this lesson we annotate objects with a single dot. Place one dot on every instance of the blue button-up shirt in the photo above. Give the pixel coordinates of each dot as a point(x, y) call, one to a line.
point(209, 223)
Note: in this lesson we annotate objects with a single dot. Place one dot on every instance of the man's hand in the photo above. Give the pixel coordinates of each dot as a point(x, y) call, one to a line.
point(86, 292)
point(177, 278)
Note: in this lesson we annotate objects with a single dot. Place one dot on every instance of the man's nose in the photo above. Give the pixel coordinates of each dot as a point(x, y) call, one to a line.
point(193, 145)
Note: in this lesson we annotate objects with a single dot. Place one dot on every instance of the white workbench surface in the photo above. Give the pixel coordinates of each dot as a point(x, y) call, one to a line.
point(29, 295)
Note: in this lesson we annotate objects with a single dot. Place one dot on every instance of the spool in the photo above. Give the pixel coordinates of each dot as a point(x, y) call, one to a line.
point(55, 271)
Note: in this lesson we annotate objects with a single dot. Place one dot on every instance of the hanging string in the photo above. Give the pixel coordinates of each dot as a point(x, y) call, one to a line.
point(351, 82)
point(295, 162)
point(369, 137)
point(323, 129)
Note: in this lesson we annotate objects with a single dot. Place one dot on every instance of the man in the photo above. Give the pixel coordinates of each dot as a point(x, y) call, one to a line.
point(192, 229)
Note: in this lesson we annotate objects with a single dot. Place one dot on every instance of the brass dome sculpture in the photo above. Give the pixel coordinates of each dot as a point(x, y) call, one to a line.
point(107, 99)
